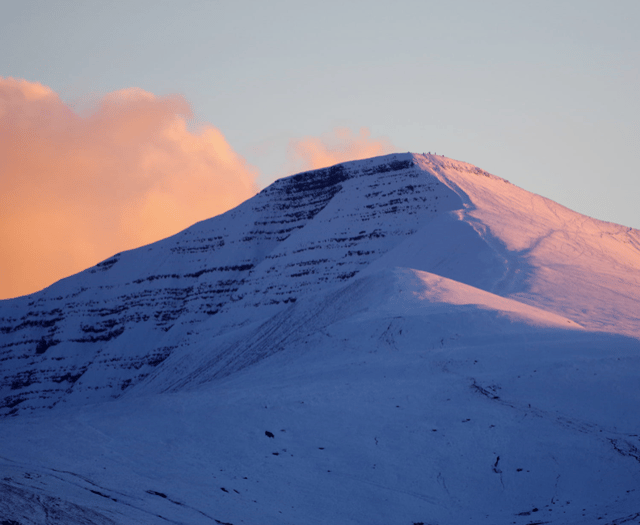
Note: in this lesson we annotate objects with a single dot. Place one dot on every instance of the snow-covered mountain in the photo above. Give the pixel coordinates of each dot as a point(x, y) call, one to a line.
point(404, 339)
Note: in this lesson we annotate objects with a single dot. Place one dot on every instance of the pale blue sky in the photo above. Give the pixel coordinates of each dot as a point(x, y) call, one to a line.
point(544, 94)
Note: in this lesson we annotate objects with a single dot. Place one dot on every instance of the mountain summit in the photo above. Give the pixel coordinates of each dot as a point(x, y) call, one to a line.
point(423, 342)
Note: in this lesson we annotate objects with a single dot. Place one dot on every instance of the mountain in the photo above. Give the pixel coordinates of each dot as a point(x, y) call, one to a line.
point(404, 339)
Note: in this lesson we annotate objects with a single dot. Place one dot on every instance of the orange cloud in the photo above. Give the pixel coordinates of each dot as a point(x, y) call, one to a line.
point(76, 189)
point(340, 145)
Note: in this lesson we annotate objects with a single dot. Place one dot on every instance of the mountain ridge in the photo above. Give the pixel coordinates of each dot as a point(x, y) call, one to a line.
point(405, 339)
point(249, 263)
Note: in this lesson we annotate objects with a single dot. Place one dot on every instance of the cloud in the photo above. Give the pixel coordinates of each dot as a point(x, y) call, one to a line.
point(75, 189)
point(332, 148)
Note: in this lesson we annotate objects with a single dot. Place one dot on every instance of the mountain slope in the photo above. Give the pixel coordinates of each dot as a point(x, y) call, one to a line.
point(405, 339)
point(93, 335)
point(572, 264)
point(382, 410)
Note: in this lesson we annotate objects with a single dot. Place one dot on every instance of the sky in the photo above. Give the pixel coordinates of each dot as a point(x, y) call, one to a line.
point(125, 122)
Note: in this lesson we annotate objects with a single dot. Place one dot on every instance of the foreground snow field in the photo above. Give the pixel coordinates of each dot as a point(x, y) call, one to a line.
point(400, 340)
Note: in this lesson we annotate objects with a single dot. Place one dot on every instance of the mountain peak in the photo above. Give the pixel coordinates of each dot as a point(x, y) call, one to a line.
point(408, 329)
point(309, 234)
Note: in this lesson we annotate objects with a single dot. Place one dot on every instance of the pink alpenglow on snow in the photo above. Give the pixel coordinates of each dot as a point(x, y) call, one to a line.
point(551, 257)
point(435, 293)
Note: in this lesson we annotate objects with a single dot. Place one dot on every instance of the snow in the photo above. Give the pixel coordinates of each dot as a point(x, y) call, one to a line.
point(479, 363)
point(582, 268)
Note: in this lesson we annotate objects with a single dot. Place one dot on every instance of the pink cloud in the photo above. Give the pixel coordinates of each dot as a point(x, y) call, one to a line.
point(340, 145)
point(76, 189)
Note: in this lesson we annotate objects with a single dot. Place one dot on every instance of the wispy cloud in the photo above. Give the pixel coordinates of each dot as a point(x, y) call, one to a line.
point(339, 145)
point(75, 189)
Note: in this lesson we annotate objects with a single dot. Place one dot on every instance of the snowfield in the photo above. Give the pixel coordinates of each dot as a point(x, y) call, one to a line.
point(400, 340)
